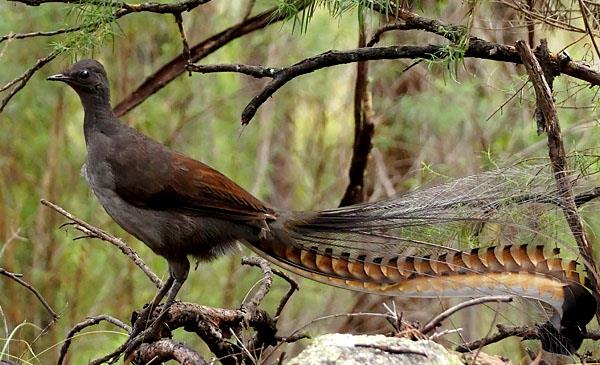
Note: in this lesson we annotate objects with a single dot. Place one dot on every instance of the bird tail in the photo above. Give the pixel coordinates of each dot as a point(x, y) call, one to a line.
point(420, 244)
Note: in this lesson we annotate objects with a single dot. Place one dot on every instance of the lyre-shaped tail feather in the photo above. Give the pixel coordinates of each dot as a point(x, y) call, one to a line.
point(524, 271)
point(418, 244)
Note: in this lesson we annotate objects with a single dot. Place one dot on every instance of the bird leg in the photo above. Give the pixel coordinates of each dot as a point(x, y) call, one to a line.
point(178, 274)
point(142, 320)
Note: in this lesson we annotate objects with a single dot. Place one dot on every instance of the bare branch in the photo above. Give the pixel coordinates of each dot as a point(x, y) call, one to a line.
point(16, 277)
point(363, 130)
point(215, 325)
point(477, 48)
point(376, 37)
point(250, 70)
point(525, 332)
point(11, 36)
point(288, 295)
point(557, 154)
point(437, 320)
point(87, 323)
point(94, 232)
point(174, 68)
point(186, 46)
point(251, 306)
point(125, 8)
point(18, 83)
point(584, 14)
point(164, 350)
point(391, 349)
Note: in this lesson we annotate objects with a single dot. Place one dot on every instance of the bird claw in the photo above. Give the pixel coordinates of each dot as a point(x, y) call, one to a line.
point(138, 337)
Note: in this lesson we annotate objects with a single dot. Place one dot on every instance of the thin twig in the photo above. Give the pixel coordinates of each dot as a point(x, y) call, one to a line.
point(248, 10)
point(524, 332)
point(293, 288)
point(186, 46)
point(19, 82)
point(251, 306)
point(94, 232)
point(391, 349)
point(435, 321)
point(454, 33)
point(588, 29)
point(16, 277)
point(91, 321)
point(11, 36)
point(376, 37)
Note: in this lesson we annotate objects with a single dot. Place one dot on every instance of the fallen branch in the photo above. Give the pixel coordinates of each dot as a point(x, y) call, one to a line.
point(391, 349)
point(164, 350)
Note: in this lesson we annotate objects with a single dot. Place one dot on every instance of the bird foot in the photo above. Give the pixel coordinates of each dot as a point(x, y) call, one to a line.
point(137, 337)
point(142, 332)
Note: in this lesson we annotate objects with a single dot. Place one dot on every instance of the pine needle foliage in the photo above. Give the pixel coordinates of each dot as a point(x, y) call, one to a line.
point(301, 12)
point(97, 25)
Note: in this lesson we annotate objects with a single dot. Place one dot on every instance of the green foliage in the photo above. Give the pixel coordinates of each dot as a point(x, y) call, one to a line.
point(97, 25)
point(301, 15)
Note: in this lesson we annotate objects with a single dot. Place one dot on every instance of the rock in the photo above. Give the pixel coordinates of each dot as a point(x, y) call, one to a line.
point(349, 349)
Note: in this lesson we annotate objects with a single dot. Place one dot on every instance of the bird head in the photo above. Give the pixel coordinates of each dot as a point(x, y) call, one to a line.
point(87, 77)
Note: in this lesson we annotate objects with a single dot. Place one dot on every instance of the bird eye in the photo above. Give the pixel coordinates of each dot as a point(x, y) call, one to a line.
point(84, 74)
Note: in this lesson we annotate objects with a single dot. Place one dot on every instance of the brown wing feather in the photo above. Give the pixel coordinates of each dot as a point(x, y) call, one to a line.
point(181, 184)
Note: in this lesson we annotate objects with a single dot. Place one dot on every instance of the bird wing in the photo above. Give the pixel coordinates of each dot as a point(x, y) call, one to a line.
point(178, 183)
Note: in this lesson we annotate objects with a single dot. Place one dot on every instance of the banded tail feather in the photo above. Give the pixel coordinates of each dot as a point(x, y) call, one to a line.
point(418, 244)
point(527, 271)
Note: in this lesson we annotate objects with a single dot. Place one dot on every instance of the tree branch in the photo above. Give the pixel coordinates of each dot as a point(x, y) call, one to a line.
point(251, 306)
point(363, 130)
point(437, 320)
point(216, 325)
point(94, 232)
point(525, 332)
point(16, 277)
point(250, 70)
point(556, 150)
point(11, 36)
point(124, 8)
point(18, 83)
point(477, 48)
point(82, 325)
point(174, 68)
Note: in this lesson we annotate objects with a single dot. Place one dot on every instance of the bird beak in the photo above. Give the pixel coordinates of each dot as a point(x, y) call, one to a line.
point(59, 77)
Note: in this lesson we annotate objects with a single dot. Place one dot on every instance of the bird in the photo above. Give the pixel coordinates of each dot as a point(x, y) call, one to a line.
point(406, 245)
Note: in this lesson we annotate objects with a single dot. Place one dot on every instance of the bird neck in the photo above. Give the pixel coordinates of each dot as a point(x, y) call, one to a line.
point(99, 116)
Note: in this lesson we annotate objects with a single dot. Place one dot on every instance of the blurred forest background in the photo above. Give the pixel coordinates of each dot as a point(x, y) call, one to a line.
point(451, 118)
